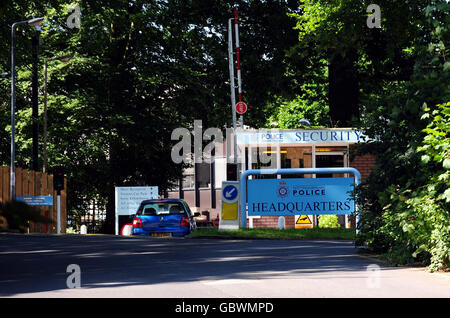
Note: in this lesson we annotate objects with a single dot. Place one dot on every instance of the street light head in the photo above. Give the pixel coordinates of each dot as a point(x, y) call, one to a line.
point(35, 22)
point(304, 122)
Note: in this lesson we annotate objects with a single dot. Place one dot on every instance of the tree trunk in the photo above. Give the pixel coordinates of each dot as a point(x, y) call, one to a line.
point(343, 89)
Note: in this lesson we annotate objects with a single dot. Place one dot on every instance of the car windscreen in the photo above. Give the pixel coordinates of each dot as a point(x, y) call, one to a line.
point(160, 208)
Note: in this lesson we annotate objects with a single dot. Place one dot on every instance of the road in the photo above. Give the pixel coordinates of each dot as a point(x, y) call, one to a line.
point(114, 266)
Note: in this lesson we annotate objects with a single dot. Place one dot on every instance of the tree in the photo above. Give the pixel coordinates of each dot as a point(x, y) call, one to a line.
point(140, 69)
point(403, 198)
point(360, 59)
point(395, 76)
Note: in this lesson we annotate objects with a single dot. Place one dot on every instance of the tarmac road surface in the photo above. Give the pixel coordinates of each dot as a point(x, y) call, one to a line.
point(114, 266)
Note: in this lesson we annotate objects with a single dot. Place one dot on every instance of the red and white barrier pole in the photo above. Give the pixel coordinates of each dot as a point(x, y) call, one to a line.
point(233, 92)
point(236, 28)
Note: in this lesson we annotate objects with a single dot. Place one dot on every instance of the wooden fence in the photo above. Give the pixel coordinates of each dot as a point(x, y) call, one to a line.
point(33, 183)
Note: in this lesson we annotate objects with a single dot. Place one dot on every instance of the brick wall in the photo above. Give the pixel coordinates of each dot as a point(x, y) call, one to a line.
point(272, 222)
point(364, 164)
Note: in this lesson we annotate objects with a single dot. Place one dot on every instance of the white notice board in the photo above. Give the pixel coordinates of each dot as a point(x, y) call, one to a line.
point(128, 200)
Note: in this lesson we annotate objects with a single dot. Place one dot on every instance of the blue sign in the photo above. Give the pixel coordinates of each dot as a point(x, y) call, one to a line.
point(230, 192)
point(300, 196)
point(36, 200)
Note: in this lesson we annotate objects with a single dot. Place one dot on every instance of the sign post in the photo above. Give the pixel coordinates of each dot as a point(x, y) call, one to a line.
point(313, 196)
point(36, 200)
point(241, 108)
point(128, 200)
point(303, 222)
point(229, 219)
point(317, 136)
point(58, 212)
point(58, 185)
point(298, 196)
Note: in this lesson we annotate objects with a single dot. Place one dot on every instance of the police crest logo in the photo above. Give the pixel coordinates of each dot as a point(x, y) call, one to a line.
point(282, 190)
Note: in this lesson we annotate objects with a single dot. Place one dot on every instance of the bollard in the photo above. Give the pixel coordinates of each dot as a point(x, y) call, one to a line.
point(281, 223)
point(83, 229)
point(127, 230)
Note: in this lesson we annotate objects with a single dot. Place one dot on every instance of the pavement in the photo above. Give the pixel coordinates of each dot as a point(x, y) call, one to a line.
point(139, 267)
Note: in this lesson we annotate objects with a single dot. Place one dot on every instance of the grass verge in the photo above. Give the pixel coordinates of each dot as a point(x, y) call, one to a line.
point(287, 234)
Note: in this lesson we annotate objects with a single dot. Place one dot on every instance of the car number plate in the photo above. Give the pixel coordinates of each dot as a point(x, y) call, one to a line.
point(162, 234)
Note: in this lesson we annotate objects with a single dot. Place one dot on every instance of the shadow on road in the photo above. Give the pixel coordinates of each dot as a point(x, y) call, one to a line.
point(38, 263)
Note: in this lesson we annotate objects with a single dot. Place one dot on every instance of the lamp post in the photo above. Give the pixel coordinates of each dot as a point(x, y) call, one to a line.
point(33, 23)
point(35, 97)
point(65, 59)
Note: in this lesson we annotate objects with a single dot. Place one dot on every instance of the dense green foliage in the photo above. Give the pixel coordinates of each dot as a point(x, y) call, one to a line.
point(415, 220)
point(402, 75)
point(328, 221)
point(404, 212)
point(311, 105)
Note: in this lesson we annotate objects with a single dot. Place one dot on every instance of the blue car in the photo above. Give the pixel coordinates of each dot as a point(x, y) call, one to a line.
point(164, 218)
